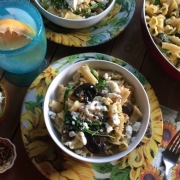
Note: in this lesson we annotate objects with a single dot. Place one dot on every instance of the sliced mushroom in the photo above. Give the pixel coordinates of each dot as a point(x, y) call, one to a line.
point(127, 109)
point(85, 92)
point(95, 144)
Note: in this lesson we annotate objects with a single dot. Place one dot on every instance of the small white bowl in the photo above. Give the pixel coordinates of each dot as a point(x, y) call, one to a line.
point(139, 94)
point(10, 161)
point(74, 23)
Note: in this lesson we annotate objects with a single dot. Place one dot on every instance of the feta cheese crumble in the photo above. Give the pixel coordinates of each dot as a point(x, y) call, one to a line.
point(136, 126)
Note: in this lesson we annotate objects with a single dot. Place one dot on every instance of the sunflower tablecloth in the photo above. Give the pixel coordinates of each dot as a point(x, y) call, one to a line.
point(144, 162)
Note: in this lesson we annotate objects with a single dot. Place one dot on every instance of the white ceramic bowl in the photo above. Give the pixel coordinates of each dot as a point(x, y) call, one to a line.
point(72, 23)
point(11, 147)
point(140, 95)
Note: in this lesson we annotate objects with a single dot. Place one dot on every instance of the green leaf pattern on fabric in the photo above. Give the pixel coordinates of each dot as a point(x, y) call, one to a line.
point(102, 168)
point(120, 174)
point(30, 105)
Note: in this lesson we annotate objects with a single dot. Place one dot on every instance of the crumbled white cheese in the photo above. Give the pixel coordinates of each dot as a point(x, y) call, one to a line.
point(75, 115)
point(136, 126)
point(68, 143)
point(128, 132)
point(72, 134)
point(1, 100)
point(105, 90)
point(113, 95)
point(74, 3)
point(96, 105)
point(94, 110)
point(52, 114)
point(85, 125)
point(82, 137)
point(108, 128)
point(115, 119)
point(113, 86)
point(1, 97)
point(80, 152)
point(106, 76)
point(103, 1)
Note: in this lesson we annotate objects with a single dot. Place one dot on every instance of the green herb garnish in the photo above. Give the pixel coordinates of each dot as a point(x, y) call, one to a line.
point(163, 37)
point(166, 52)
point(101, 82)
point(67, 91)
point(157, 2)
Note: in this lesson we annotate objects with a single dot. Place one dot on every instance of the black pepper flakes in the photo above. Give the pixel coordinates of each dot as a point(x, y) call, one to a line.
point(4, 154)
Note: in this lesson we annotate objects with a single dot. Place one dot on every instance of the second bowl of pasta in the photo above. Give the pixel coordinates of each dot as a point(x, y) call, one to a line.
point(96, 111)
point(161, 34)
point(75, 14)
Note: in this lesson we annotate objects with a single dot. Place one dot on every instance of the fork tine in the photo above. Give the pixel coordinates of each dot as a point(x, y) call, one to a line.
point(175, 143)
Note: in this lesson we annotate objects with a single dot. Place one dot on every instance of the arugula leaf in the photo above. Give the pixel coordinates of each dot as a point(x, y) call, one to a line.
point(166, 52)
point(163, 37)
point(68, 90)
point(94, 73)
point(60, 3)
point(157, 2)
point(101, 83)
point(176, 33)
point(98, 5)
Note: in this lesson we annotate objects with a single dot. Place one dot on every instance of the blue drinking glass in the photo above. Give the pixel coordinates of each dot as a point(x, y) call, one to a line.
point(23, 65)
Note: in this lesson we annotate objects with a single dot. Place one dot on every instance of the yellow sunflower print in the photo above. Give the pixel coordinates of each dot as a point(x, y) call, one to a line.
point(151, 173)
point(169, 130)
point(35, 138)
point(115, 10)
point(141, 157)
point(176, 172)
point(77, 38)
point(41, 83)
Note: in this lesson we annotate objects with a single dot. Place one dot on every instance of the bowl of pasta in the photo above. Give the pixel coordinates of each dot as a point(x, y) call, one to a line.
point(161, 33)
point(96, 111)
point(75, 14)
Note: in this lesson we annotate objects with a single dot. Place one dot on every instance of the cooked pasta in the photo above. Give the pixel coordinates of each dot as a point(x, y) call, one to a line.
point(75, 9)
point(163, 21)
point(97, 113)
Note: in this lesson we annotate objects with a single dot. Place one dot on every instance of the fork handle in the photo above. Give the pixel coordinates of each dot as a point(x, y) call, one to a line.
point(166, 174)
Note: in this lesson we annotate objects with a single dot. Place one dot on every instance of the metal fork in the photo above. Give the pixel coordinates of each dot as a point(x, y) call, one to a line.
point(171, 153)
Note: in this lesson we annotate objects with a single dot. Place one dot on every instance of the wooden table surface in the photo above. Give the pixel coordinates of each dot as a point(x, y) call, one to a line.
point(128, 46)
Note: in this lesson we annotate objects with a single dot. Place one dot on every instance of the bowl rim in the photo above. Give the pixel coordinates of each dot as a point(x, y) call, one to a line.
point(143, 23)
point(5, 110)
point(14, 155)
point(73, 154)
point(74, 20)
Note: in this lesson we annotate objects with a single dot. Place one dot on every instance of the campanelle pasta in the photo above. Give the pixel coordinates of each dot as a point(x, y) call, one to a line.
point(96, 112)
point(163, 20)
point(75, 9)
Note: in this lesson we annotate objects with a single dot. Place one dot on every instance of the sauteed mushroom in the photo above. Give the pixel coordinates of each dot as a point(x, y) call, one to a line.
point(85, 92)
point(127, 109)
point(95, 144)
